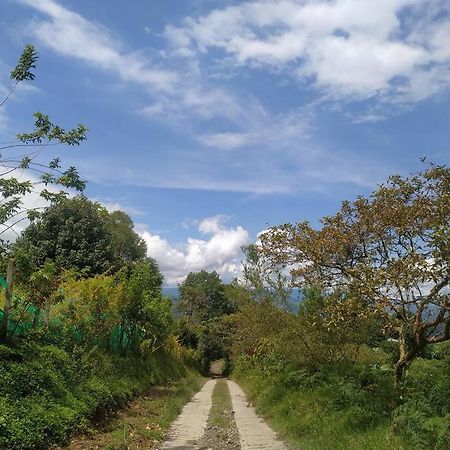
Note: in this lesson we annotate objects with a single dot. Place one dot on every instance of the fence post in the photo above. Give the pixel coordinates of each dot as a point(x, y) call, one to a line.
point(46, 313)
point(8, 299)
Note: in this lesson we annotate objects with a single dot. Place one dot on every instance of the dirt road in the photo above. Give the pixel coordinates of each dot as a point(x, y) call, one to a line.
point(188, 431)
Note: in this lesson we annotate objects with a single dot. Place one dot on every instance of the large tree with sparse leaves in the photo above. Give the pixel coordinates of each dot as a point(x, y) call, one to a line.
point(388, 255)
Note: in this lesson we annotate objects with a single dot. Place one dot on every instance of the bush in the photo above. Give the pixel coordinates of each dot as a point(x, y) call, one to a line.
point(47, 393)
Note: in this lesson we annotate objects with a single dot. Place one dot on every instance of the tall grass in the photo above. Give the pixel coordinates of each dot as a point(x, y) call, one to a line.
point(47, 393)
point(353, 406)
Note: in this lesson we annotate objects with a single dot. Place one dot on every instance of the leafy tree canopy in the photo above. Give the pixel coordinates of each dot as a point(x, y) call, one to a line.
point(127, 244)
point(144, 310)
point(202, 297)
point(78, 234)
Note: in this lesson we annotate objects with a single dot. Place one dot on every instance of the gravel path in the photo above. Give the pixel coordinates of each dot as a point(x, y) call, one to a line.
point(254, 432)
point(187, 431)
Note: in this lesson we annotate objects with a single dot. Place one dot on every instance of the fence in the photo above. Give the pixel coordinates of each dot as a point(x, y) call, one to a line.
point(24, 320)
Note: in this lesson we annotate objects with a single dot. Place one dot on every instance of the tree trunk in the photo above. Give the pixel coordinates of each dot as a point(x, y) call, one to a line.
point(407, 356)
point(400, 371)
point(8, 300)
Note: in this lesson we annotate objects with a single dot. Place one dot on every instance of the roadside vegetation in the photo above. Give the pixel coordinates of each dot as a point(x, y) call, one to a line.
point(363, 361)
point(84, 327)
point(143, 423)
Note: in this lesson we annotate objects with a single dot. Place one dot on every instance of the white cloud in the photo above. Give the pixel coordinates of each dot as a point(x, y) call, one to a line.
point(114, 205)
point(33, 200)
point(266, 130)
point(347, 48)
point(172, 96)
point(71, 34)
point(220, 250)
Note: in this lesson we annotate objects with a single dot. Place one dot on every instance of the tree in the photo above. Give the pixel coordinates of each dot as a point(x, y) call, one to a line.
point(202, 297)
point(127, 244)
point(13, 189)
point(42, 290)
point(388, 254)
point(79, 234)
point(73, 233)
point(145, 313)
point(91, 307)
point(206, 306)
point(266, 282)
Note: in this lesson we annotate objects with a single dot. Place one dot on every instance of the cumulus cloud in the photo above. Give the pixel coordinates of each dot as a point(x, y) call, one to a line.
point(347, 48)
point(11, 229)
point(219, 250)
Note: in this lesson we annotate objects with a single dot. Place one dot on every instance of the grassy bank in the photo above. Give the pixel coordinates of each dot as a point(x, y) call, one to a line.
point(144, 422)
point(353, 407)
point(48, 393)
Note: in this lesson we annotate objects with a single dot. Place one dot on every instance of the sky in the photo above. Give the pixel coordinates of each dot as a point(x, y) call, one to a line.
point(211, 120)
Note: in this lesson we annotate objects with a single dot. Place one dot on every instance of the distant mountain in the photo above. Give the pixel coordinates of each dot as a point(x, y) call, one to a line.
point(174, 294)
point(171, 292)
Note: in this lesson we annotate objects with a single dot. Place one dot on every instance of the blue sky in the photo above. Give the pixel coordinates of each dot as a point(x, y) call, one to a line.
point(211, 120)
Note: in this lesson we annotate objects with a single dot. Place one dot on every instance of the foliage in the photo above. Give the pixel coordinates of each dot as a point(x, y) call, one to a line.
point(202, 297)
point(206, 305)
point(324, 376)
point(91, 307)
point(27, 61)
point(215, 338)
point(386, 255)
point(266, 281)
point(339, 408)
point(73, 233)
point(144, 311)
point(78, 234)
point(12, 188)
point(48, 393)
point(127, 244)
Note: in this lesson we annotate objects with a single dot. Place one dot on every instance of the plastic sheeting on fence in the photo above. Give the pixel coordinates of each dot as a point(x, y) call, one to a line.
point(24, 317)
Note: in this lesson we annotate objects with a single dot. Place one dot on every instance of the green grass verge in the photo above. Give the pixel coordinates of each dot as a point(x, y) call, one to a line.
point(144, 423)
point(312, 418)
point(48, 393)
point(354, 406)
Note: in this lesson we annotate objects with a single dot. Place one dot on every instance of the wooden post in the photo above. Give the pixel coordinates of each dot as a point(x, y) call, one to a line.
point(46, 314)
point(8, 298)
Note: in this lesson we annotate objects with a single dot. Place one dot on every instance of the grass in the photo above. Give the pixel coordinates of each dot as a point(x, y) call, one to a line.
point(48, 393)
point(221, 431)
point(307, 419)
point(221, 405)
point(144, 423)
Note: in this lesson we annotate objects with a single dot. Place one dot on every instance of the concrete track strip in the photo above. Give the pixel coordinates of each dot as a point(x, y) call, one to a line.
point(254, 433)
point(186, 432)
